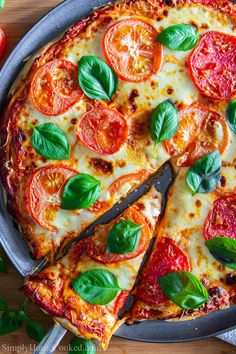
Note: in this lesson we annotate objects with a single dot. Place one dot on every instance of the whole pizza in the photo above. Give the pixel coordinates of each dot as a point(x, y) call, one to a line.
point(92, 115)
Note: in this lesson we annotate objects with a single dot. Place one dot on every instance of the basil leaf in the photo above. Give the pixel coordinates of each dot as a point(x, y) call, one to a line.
point(81, 346)
point(164, 121)
point(3, 305)
point(204, 175)
point(21, 315)
point(231, 115)
point(184, 289)
point(50, 142)
point(9, 323)
point(96, 286)
point(179, 37)
point(35, 331)
point(223, 249)
point(124, 237)
point(3, 268)
point(2, 3)
point(96, 78)
point(80, 192)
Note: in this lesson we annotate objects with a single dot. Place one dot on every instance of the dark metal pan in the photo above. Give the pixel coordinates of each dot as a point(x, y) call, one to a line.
point(51, 25)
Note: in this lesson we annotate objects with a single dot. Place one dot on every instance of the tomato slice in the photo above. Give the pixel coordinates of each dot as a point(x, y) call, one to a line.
point(212, 65)
point(100, 240)
point(2, 42)
point(200, 132)
point(44, 193)
point(132, 178)
point(54, 88)
point(167, 258)
point(102, 130)
point(221, 219)
point(130, 47)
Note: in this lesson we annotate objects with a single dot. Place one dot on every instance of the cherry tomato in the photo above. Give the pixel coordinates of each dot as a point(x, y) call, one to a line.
point(221, 219)
point(130, 47)
point(102, 130)
point(212, 65)
point(44, 193)
point(54, 88)
point(168, 257)
point(200, 132)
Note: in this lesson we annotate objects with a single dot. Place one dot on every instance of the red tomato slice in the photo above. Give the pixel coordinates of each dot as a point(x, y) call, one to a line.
point(212, 65)
point(102, 130)
point(221, 219)
point(100, 240)
point(2, 42)
point(200, 132)
point(167, 258)
point(54, 88)
point(44, 193)
point(130, 47)
point(120, 301)
point(132, 178)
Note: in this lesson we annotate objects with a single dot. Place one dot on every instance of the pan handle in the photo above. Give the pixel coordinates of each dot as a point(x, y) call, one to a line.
point(51, 340)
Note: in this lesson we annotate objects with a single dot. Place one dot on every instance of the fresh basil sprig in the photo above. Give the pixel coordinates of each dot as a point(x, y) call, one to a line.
point(231, 115)
point(223, 249)
point(3, 305)
point(3, 268)
point(9, 322)
point(204, 175)
point(124, 237)
point(179, 37)
point(164, 121)
point(2, 3)
point(81, 346)
point(80, 192)
point(184, 289)
point(50, 142)
point(96, 78)
point(96, 286)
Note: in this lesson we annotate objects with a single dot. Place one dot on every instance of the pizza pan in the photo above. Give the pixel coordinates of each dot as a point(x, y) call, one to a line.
point(51, 25)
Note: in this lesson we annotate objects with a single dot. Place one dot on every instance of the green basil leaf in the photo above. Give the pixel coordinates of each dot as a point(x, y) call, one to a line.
point(96, 78)
point(80, 192)
point(81, 346)
point(9, 323)
point(21, 315)
point(204, 175)
point(2, 3)
point(164, 121)
point(231, 115)
point(184, 289)
point(223, 249)
point(35, 331)
point(50, 142)
point(96, 286)
point(179, 37)
point(3, 305)
point(124, 237)
point(3, 268)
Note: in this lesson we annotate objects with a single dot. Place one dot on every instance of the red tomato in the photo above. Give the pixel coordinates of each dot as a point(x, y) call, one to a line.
point(120, 301)
point(133, 178)
point(130, 47)
point(55, 88)
point(100, 240)
point(102, 130)
point(212, 65)
point(200, 132)
point(167, 258)
point(44, 193)
point(221, 219)
point(2, 41)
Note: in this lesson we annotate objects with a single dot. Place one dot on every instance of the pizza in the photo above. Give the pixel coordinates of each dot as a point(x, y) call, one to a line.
point(93, 115)
point(53, 290)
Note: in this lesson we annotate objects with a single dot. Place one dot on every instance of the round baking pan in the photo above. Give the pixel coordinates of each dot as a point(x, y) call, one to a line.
point(51, 25)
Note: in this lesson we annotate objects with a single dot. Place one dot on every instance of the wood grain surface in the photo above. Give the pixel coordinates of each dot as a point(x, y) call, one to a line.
point(15, 19)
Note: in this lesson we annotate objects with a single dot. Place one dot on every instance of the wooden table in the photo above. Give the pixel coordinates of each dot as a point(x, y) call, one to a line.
point(16, 18)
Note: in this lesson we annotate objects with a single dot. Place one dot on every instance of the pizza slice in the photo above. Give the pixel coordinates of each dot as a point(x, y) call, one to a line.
point(85, 289)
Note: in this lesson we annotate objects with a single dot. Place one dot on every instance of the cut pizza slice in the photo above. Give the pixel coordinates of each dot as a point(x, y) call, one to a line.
point(85, 289)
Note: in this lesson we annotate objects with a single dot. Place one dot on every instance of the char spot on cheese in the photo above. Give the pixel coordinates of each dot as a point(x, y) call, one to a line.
point(194, 24)
point(204, 26)
point(131, 98)
point(223, 181)
point(101, 166)
point(191, 215)
point(121, 163)
point(73, 121)
point(198, 203)
point(169, 90)
point(168, 2)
